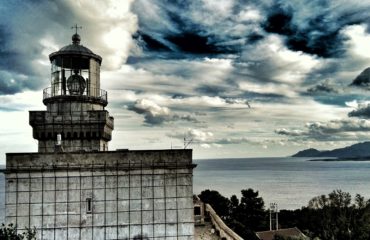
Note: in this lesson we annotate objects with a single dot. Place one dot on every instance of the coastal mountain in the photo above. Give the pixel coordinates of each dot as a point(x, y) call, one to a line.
point(354, 151)
point(362, 80)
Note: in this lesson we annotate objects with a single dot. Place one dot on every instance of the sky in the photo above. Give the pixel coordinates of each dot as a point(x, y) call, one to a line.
point(235, 78)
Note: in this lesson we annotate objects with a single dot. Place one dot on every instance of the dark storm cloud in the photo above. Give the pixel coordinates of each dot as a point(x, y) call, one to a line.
point(31, 30)
point(11, 83)
point(172, 24)
point(16, 73)
point(263, 97)
point(317, 33)
point(211, 90)
point(156, 115)
point(323, 87)
point(361, 112)
point(150, 43)
point(24, 23)
point(280, 21)
point(192, 42)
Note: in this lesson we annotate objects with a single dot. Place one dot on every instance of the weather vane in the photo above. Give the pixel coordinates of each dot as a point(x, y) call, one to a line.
point(76, 27)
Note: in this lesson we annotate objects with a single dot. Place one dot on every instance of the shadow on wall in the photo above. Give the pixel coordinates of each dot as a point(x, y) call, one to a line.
point(139, 237)
point(2, 197)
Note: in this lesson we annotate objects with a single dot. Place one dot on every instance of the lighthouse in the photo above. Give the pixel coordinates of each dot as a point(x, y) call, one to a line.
point(74, 187)
point(75, 103)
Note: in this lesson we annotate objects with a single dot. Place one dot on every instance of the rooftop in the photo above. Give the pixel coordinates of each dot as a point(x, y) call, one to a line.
point(294, 233)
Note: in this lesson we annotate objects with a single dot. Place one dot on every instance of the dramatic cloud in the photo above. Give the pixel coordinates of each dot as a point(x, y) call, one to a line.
point(323, 87)
point(338, 130)
point(233, 140)
point(222, 72)
point(195, 137)
point(157, 115)
point(31, 30)
point(273, 61)
point(362, 111)
point(290, 132)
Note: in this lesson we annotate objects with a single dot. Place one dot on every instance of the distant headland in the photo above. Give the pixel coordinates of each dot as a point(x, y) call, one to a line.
point(356, 152)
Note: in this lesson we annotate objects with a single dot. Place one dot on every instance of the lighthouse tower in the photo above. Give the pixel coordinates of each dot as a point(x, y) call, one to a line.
point(74, 188)
point(75, 119)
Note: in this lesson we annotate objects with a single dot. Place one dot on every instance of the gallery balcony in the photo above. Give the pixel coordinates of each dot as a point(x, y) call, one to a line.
point(94, 95)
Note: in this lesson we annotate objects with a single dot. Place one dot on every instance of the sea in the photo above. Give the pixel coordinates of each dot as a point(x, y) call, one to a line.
point(289, 182)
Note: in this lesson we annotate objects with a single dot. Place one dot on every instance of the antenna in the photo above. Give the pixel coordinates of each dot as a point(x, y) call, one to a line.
point(187, 142)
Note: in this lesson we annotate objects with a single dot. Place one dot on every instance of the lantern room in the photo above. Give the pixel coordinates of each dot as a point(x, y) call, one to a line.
point(75, 72)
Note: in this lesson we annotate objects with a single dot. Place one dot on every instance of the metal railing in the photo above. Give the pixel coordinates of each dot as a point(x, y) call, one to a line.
point(94, 93)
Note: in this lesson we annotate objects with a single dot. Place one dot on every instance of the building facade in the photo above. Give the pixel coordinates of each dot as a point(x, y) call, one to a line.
point(74, 188)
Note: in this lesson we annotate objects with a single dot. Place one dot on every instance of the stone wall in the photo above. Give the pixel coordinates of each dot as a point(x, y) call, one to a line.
point(145, 194)
point(79, 130)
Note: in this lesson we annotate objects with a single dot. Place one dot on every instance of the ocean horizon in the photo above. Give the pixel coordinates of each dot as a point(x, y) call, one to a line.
point(289, 182)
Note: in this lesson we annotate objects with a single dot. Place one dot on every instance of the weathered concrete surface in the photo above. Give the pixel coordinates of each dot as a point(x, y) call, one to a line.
point(82, 126)
point(220, 227)
point(205, 232)
point(133, 193)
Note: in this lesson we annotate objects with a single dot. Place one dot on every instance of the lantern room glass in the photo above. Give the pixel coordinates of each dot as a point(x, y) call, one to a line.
point(65, 67)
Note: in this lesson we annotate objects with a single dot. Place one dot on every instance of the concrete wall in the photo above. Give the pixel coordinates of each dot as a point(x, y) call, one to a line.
point(85, 130)
point(133, 193)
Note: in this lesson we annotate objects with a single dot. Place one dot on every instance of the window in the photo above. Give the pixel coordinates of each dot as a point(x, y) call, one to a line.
point(88, 205)
point(196, 210)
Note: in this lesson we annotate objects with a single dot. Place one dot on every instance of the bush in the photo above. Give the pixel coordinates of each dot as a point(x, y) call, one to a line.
point(10, 233)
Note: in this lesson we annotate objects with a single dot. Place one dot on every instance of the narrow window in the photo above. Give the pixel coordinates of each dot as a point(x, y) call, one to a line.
point(88, 205)
point(196, 211)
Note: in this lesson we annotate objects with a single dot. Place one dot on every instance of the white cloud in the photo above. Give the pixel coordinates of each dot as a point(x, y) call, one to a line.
point(249, 14)
point(273, 61)
point(157, 115)
point(334, 130)
point(357, 41)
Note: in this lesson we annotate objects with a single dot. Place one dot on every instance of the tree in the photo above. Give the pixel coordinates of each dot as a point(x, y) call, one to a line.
point(218, 202)
point(10, 233)
point(250, 211)
point(332, 216)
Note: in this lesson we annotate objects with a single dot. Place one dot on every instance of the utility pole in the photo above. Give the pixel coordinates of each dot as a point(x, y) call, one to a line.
point(277, 218)
point(274, 209)
point(270, 219)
